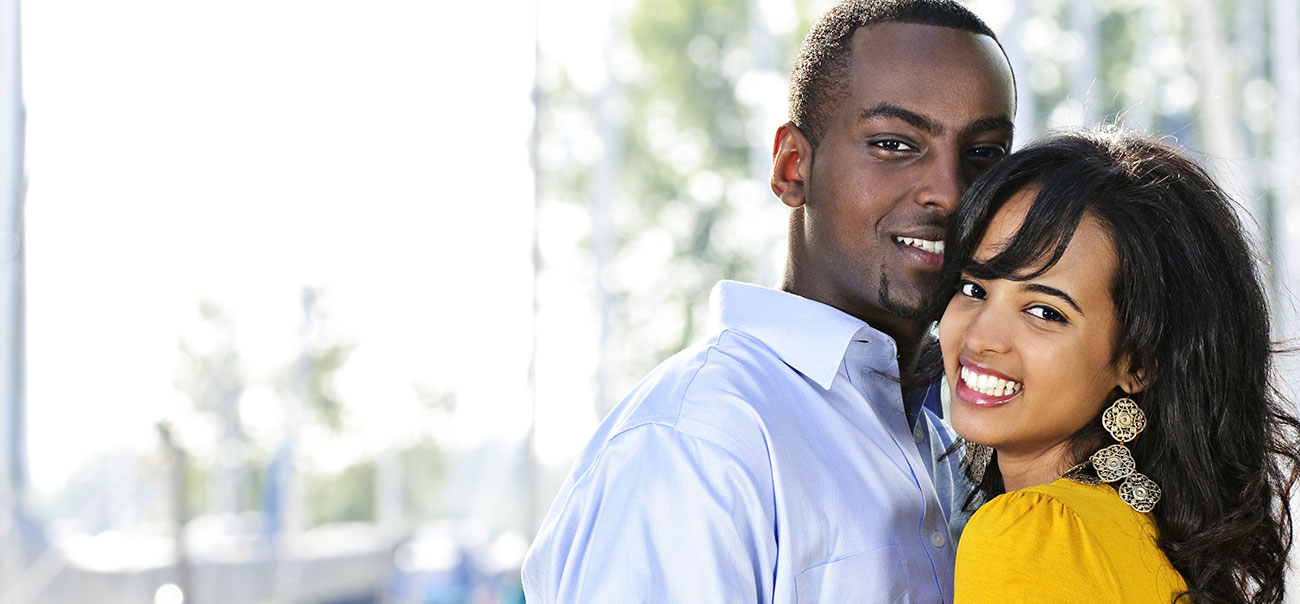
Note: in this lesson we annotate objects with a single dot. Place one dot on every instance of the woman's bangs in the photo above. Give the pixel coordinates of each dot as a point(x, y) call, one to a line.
point(1041, 239)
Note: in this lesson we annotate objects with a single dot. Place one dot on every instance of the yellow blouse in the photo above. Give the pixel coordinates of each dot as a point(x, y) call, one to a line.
point(1062, 542)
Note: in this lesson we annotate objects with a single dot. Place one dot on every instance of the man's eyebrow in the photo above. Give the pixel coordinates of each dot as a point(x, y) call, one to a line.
point(907, 115)
point(988, 124)
point(1052, 291)
point(922, 122)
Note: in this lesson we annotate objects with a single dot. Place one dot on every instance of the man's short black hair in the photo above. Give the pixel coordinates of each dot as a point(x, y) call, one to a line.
point(821, 71)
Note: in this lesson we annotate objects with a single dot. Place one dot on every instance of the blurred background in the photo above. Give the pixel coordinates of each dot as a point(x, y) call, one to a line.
point(315, 301)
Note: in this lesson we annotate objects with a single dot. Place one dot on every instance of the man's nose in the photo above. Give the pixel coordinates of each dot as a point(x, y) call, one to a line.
point(943, 183)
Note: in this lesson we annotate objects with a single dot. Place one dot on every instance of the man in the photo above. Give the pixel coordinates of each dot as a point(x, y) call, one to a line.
point(780, 461)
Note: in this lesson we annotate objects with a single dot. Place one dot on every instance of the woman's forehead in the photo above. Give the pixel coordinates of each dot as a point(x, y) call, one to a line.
point(1005, 224)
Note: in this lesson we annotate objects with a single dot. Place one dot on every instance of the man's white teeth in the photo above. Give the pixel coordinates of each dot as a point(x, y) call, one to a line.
point(934, 247)
point(987, 384)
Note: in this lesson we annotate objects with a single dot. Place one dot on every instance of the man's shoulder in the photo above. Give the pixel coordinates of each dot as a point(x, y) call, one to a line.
point(729, 373)
point(726, 390)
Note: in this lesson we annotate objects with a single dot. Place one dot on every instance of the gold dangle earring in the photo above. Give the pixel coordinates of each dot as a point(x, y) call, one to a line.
point(977, 460)
point(1124, 420)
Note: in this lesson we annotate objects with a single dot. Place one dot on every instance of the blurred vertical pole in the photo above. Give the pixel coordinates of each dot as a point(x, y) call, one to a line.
point(1251, 45)
point(610, 112)
point(1284, 20)
point(1013, 42)
point(1222, 133)
point(531, 508)
point(1143, 84)
point(1084, 80)
point(13, 361)
point(763, 53)
point(390, 505)
point(1285, 66)
point(291, 510)
point(179, 464)
point(766, 113)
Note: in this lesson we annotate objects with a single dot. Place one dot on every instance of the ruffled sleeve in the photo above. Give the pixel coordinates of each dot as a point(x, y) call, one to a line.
point(1026, 546)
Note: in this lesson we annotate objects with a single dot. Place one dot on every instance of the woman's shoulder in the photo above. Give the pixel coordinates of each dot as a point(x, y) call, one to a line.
point(1061, 537)
point(1066, 512)
point(1096, 505)
point(1063, 504)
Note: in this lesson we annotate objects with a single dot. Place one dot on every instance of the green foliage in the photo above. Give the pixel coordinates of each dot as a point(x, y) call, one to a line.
point(424, 472)
point(210, 370)
point(311, 376)
point(345, 496)
point(682, 165)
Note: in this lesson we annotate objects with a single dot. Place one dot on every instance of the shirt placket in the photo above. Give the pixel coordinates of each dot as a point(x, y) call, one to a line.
point(873, 370)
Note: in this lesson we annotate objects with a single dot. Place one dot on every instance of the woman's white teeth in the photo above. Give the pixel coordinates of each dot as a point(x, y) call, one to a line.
point(934, 247)
point(987, 384)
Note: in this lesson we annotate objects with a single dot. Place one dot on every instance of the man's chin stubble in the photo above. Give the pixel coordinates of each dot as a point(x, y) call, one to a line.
point(914, 312)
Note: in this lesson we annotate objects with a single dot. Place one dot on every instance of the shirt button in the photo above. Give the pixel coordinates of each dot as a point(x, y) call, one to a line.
point(938, 539)
point(918, 435)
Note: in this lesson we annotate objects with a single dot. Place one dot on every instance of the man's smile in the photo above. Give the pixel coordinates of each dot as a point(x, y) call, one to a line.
point(926, 245)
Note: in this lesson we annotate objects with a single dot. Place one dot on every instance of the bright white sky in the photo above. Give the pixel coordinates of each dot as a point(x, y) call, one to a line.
point(239, 151)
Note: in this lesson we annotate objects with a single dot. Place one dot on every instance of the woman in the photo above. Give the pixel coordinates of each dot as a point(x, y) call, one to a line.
point(1107, 336)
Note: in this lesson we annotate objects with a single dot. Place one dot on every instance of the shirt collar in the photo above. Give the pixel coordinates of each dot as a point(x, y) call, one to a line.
point(807, 335)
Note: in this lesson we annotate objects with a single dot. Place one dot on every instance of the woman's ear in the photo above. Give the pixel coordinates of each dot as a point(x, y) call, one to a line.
point(1132, 381)
point(791, 165)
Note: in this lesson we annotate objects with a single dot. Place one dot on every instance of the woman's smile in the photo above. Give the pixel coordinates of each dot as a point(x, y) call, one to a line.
point(983, 386)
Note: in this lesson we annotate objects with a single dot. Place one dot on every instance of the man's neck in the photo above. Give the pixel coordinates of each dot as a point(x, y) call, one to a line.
point(907, 334)
point(909, 352)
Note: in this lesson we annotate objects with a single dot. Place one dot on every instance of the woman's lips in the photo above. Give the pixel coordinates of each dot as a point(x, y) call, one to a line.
point(983, 386)
point(979, 399)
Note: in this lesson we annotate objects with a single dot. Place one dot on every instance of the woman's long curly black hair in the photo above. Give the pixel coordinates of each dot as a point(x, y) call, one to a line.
point(1222, 442)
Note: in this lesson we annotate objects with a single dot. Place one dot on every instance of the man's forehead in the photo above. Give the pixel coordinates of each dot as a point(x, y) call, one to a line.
point(920, 41)
point(932, 77)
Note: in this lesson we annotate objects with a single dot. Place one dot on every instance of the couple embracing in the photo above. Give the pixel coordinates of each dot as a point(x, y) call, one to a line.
point(1102, 329)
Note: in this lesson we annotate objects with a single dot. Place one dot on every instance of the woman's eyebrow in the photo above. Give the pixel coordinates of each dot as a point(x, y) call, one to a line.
point(1052, 291)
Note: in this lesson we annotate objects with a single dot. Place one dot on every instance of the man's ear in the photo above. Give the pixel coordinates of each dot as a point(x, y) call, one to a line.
point(791, 165)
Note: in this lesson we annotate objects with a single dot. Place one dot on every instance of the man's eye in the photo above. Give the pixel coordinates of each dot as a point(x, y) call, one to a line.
point(893, 145)
point(971, 289)
point(1048, 313)
point(986, 152)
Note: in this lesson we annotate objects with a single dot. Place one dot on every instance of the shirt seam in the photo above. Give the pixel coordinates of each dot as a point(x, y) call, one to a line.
point(671, 422)
point(740, 333)
point(648, 424)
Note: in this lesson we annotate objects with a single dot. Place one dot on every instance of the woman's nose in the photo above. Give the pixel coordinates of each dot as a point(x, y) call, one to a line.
point(987, 331)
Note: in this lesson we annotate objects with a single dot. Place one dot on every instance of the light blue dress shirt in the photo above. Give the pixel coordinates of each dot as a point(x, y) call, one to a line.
point(773, 463)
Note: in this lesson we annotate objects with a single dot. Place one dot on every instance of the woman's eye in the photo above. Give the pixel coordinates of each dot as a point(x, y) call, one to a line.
point(1048, 313)
point(971, 289)
point(893, 145)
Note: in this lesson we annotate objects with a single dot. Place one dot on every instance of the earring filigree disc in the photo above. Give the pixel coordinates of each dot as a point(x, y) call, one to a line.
point(1139, 492)
point(1124, 420)
point(1113, 463)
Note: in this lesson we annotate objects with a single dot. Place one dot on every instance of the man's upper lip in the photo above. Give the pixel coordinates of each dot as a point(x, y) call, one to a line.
point(984, 369)
point(929, 234)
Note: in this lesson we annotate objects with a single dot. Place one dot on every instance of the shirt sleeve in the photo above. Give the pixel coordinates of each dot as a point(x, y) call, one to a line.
point(1030, 547)
point(660, 516)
